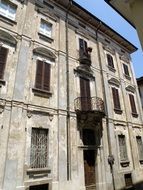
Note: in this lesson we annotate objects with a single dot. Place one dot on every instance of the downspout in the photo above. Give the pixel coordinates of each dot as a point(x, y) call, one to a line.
point(67, 89)
point(110, 157)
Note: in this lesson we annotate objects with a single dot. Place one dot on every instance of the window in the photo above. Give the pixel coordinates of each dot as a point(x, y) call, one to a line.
point(128, 181)
point(116, 99)
point(40, 187)
point(46, 28)
point(126, 70)
point(133, 106)
point(140, 147)
point(43, 71)
point(39, 148)
point(3, 58)
point(122, 148)
point(110, 61)
point(82, 47)
point(7, 9)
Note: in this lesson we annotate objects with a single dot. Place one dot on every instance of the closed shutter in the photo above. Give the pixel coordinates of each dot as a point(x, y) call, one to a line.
point(85, 94)
point(132, 103)
point(126, 71)
point(46, 83)
point(39, 73)
point(3, 58)
point(43, 75)
point(110, 60)
point(116, 99)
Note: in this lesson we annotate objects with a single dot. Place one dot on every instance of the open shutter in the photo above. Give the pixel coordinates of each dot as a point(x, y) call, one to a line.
point(126, 71)
point(116, 99)
point(46, 82)
point(132, 102)
point(39, 74)
point(3, 58)
point(110, 60)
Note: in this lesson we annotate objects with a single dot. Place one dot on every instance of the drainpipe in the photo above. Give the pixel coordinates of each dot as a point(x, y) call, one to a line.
point(68, 100)
point(110, 157)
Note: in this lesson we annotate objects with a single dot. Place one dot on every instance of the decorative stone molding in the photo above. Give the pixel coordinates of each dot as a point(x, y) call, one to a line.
point(84, 71)
point(109, 49)
point(6, 37)
point(131, 88)
point(124, 58)
point(114, 81)
point(45, 52)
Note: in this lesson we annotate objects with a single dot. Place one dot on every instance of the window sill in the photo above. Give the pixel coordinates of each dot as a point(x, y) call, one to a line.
point(2, 83)
point(125, 163)
point(38, 170)
point(135, 115)
point(46, 38)
point(42, 93)
point(127, 77)
point(118, 111)
point(7, 20)
point(111, 69)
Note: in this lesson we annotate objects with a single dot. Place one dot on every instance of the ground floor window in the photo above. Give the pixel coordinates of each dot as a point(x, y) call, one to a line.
point(40, 187)
point(39, 148)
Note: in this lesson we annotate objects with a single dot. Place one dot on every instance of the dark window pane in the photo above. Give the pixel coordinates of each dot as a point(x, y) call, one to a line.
point(88, 137)
point(110, 60)
point(3, 58)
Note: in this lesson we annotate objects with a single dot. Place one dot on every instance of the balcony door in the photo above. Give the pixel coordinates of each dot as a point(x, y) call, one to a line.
point(85, 94)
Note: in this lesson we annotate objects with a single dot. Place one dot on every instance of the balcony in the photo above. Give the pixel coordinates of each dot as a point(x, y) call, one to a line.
point(89, 104)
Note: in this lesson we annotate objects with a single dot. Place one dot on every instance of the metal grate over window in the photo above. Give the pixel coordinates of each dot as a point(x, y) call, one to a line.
point(39, 148)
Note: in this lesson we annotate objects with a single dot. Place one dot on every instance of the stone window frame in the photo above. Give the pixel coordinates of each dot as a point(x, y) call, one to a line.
point(122, 163)
point(42, 35)
point(112, 54)
point(6, 17)
point(44, 55)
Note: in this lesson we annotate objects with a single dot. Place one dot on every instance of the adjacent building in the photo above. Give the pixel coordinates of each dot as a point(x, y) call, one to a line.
point(131, 10)
point(140, 87)
point(70, 114)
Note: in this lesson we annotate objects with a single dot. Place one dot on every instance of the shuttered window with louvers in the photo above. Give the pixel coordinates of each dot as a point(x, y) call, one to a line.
point(132, 103)
point(43, 75)
point(3, 58)
point(116, 99)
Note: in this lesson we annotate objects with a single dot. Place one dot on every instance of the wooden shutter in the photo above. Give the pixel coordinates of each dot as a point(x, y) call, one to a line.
point(46, 81)
point(39, 74)
point(85, 94)
point(116, 99)
point(3, 58)
point(82, 47)
point(126, 71)
point(132, 103)
point(110, 60)
point(43, 75)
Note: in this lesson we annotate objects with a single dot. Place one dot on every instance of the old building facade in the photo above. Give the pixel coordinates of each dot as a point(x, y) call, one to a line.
point(140, 86)
point(69, 105)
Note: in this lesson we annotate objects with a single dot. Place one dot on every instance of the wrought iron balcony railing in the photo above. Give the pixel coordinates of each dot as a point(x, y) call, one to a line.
point(86, 104)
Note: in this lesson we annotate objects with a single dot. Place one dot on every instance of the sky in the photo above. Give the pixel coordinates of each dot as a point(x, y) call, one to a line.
point(105, 13)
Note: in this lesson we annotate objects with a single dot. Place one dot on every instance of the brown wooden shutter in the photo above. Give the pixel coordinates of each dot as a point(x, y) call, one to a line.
point(3, 58)
point(46, 82)
point(39, 74)
point(132, 103)
point(110, 60)
point(116, 99)
point(126, 71)
point(85, 94)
